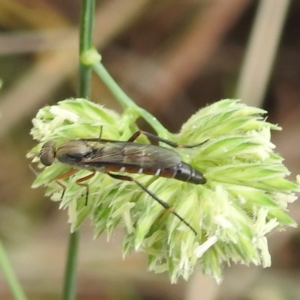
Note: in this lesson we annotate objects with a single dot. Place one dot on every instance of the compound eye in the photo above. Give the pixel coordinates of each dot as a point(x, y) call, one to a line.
point(47, 153)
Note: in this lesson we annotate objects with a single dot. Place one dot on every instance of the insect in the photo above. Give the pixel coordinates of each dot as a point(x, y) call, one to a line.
point(111, 157)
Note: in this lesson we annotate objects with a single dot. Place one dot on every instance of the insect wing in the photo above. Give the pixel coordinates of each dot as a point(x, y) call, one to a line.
point(133, 155)
point(150, 156)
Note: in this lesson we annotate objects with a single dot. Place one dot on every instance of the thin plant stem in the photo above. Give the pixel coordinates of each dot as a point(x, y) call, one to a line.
point(124, 100)
point(85, 43)
point(69, 291)
point(11, 279)
point(86, 34)
point(261, 55)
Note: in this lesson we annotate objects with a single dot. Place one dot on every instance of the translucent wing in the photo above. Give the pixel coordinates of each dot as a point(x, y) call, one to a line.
point(131, 155)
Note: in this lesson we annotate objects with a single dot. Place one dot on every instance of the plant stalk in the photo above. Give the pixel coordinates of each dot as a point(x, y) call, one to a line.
point(10, 277)
point(85, 43)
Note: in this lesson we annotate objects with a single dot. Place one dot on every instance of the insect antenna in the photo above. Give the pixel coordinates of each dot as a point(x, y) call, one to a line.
point(161, 202)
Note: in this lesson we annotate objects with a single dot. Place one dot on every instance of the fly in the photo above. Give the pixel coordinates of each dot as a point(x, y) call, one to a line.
point(110, 156)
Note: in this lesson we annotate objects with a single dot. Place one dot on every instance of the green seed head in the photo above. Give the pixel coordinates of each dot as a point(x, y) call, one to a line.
point(245, 196)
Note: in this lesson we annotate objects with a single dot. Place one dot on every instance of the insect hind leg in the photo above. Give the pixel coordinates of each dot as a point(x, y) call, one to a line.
point(153, 137)
point(161, 202)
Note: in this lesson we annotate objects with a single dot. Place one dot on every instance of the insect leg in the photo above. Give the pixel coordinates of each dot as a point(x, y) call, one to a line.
point(33, 170)
point(153, 137)
point(62, 176)
point(80, 180)
point(161, 202)
point(100, 134)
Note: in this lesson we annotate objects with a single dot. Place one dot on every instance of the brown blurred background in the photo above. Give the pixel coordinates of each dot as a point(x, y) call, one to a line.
point(172, 57)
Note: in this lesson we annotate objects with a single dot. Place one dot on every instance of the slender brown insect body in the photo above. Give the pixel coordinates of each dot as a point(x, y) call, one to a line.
point(113, 156)
point(123, 157)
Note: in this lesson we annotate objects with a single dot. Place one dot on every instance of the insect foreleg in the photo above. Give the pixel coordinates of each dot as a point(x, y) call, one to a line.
point(62, 176)
point(161, 202)
point(153, 137)
point(79, 182)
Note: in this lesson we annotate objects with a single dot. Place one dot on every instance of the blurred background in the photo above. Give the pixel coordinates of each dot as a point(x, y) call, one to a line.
point(172, 57)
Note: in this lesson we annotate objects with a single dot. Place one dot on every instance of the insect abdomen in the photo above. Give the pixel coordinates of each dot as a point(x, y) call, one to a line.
point(182, 172)
point(187, 173)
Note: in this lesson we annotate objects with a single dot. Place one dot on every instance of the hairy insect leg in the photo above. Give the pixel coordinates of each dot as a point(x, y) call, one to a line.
point(80, 180)
point(161, 202)
point(153, 137)
point(62, 176)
